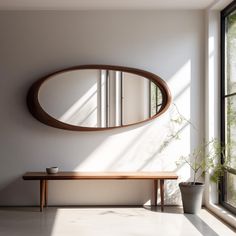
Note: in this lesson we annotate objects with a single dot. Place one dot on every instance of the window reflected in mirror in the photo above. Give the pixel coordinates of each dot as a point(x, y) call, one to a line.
point(100, 98)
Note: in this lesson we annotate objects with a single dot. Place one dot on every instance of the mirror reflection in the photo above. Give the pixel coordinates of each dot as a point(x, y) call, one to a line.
point(99, 98)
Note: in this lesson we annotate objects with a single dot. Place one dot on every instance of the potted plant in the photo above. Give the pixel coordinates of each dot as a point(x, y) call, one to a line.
point(203, 158)
point(200, 162)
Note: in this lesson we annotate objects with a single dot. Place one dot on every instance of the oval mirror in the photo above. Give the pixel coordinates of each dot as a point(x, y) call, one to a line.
point(96, 97)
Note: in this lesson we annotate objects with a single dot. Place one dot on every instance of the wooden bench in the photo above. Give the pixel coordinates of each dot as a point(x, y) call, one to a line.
point(155, 176)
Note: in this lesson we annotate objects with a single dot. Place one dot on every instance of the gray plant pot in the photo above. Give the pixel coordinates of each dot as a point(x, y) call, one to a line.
point(191, 196)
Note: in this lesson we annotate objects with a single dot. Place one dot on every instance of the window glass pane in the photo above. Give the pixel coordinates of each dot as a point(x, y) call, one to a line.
point(230, 129)
point(230, 53)
point(156, 99)
point(230, 189)
point(228, 124)
point(159, 98)
point(153, 99)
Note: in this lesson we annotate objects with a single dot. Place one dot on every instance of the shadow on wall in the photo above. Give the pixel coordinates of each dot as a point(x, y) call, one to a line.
point(9, 196)
point(131, 146)
point(95, 151)
point(174, 54)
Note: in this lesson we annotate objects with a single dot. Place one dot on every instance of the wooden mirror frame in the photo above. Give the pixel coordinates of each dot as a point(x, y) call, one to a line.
point(39, 113)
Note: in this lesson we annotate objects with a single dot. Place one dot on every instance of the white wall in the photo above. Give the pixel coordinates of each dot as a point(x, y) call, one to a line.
point(32, 44)
point(212, 88)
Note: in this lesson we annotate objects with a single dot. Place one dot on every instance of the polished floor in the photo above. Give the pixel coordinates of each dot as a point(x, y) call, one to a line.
point(109, 221)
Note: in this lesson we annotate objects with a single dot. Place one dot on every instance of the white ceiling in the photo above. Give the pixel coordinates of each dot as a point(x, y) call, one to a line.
point(103, 4)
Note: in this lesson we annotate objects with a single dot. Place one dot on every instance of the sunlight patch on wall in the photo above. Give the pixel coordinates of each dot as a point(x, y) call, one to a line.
point(180, 87)
point(141, 149)
point(211, 84)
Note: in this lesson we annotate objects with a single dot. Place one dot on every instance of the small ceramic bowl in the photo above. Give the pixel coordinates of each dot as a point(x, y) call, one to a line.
point(52, 170)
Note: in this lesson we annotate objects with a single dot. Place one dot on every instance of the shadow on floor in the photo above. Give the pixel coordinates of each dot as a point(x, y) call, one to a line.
point(194, 219)
point(200, 225)
point(167, 209)
point(26, 221)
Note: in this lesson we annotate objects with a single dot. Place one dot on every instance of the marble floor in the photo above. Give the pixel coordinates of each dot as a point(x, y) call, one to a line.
point(109, 221)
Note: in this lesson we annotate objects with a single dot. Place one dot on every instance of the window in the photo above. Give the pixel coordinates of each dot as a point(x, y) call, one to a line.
point(155, 102)
point(228, 104)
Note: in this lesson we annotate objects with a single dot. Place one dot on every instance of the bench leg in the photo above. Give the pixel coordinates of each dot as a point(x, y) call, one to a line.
point(42, 194)
point(162, 194)
point(155, 189)
point(46, 193)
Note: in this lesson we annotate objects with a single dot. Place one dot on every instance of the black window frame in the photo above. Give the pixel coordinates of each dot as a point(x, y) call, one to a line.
point(222, 185)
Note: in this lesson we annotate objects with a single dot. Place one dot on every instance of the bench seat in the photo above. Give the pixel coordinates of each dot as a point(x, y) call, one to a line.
point(43, 177)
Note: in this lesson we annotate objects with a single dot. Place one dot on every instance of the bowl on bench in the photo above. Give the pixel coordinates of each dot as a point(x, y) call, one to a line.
point(52, 170)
